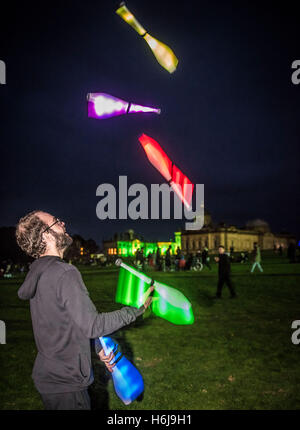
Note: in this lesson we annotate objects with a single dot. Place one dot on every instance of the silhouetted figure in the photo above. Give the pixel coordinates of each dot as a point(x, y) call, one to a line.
point(189, 261)
point(242, 257)
point(158, 259)
point(177, 258)
point(163, 263)
point(224, 273)
point(142, 259)
point(137, 256)
point(168, 258)
point(205, 258)
point(256, 259)
point(182, 262)
point(150, 259)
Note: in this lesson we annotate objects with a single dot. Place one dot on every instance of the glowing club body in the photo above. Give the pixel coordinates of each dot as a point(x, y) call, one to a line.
point(168, 303)
point(163, 54)
point(128, 381)
point(102, 106)
point(180, 183)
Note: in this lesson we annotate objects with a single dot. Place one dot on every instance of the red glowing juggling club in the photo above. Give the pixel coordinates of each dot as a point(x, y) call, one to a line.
point(180, 183)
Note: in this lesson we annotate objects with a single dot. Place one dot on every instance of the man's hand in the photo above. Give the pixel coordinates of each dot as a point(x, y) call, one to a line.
point(106, 359)
point(217, 259)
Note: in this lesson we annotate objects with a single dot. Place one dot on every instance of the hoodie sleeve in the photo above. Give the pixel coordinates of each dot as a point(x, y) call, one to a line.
point(74, 296)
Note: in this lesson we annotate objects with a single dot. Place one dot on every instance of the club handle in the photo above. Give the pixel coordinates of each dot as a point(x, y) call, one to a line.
point(140, 275)
point(103, 345)
point(115, 350)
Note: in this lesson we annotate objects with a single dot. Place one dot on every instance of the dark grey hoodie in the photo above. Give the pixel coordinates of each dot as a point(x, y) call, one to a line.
point(64, 319)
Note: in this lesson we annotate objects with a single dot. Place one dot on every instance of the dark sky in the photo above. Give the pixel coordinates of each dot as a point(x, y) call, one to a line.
point(230, 113)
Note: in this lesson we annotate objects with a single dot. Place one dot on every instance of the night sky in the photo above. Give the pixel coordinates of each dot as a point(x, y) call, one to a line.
point(230, 112)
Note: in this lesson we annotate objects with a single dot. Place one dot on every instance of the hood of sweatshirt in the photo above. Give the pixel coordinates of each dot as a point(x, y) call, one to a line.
point(29, 286)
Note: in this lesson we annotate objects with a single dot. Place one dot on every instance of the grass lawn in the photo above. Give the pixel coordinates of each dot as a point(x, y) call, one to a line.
point(237, 355)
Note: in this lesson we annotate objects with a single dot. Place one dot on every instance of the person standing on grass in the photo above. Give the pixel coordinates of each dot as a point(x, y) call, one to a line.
point(224, 273)
point(143, 258)
point(158, 259)
point(168, 258)
point(205, 258)
point(256, 259)
point(64, 318)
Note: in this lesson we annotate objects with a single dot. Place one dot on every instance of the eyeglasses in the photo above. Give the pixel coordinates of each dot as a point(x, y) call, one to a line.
point(57, 221)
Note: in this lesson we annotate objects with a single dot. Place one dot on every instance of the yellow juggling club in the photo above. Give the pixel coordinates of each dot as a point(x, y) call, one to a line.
point(164, 55)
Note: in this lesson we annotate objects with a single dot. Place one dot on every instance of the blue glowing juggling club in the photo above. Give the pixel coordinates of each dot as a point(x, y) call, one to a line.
point(128, 381)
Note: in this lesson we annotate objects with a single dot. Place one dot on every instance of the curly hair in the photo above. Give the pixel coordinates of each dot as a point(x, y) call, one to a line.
point(29, 234)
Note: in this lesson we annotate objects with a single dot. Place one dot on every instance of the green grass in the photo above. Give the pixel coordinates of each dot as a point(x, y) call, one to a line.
point(237, 355)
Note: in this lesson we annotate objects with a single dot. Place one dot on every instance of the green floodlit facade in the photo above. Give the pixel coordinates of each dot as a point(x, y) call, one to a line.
point(128, 248)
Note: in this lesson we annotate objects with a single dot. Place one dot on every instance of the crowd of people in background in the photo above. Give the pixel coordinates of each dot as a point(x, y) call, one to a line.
point(201, 260)
point(8, 268)
point(172, 262)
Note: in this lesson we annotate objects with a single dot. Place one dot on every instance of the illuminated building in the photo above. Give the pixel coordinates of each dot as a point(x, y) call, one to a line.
point(211, 236)
point(240, 239)
point(126, 244)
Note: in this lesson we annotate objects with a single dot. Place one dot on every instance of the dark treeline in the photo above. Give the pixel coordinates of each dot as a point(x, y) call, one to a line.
point(10, 251)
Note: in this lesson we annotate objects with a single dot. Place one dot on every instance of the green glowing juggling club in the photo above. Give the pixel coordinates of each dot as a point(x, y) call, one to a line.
point(171, 304)
point(167, 303)
point(132, 286)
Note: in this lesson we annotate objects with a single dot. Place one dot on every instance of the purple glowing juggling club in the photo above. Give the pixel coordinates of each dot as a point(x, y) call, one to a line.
point(102, 106)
